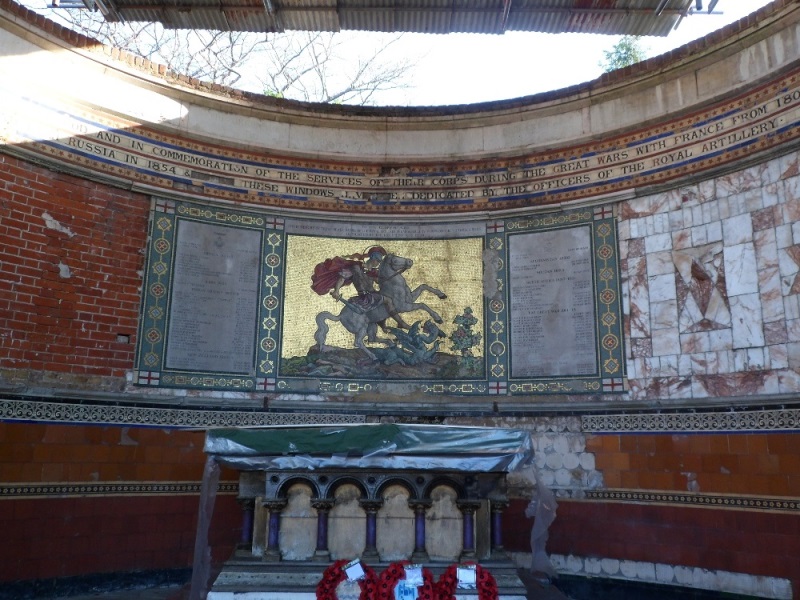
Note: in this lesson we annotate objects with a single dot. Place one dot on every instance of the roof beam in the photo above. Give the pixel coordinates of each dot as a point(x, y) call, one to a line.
point(271, 11)
point(188, 6)
point(506, 11)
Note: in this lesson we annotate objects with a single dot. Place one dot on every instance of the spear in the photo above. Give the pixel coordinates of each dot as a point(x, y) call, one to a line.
point(351, 306)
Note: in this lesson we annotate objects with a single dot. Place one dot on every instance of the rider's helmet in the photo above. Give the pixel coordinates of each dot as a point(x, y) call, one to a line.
point(376, 253)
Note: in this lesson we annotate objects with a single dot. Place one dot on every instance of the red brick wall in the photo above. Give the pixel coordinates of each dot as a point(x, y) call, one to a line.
point(58, 328)
point(68, 324)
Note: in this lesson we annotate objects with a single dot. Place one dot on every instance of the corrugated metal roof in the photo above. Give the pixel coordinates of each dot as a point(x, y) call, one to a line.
point(621, 17)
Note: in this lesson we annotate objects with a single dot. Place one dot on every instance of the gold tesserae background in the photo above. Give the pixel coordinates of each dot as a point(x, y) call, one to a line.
point(454, 266)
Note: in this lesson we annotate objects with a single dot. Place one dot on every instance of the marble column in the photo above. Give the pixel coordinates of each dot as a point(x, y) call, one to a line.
point(468, 509)
point(371, 507)
point(419, 507)
point(323, 508)
point(272, 553)
point(245, 544)
point(498, 506)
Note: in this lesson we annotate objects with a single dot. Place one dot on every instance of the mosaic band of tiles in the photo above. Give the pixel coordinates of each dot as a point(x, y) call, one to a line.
point(251, 302)
point(83, 490)
point(116, 488)
point(762, 503)
point(778, 419)
point(759, 120)
point(58, 412)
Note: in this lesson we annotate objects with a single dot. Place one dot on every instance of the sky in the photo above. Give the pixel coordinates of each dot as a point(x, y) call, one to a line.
point(457, 69)
point(470, 68)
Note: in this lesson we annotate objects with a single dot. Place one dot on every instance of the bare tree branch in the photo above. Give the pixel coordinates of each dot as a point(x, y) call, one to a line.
point(309, 66)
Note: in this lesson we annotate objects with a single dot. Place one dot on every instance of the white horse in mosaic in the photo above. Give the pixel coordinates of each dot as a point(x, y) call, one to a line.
point(364, 324)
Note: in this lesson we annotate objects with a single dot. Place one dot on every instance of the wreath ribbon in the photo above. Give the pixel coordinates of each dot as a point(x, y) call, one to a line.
point(395, 572)
point(485, 583)
point(335, 574)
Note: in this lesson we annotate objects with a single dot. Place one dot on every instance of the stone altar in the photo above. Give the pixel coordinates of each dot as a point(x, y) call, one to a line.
point(430, 494)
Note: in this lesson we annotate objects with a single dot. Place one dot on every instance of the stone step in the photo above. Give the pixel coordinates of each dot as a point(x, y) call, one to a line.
point(253, 579)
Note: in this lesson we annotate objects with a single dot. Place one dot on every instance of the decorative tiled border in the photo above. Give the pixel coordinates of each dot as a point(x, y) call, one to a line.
point(790, 505)
point(151, 369)
point(162, 269)
point(609, 355)
point(63, 412)
point(116, 488)
point(780, 419)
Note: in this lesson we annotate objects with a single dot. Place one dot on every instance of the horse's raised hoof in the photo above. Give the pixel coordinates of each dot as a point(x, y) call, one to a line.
point(443, 296)
point(439, 320)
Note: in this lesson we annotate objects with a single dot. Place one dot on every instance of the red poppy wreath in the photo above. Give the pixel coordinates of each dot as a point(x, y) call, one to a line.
point(395, 572)
point(335, 574)
point(485, 583)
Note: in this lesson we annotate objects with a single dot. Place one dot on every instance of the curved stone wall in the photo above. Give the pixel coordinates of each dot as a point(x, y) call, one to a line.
point(711, 105)
point(685, 170)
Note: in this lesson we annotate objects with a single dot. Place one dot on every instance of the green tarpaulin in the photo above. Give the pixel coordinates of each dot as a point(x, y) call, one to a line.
point(372, 446)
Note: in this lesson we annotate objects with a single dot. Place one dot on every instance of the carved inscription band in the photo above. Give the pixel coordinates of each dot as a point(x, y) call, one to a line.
point(727, 132)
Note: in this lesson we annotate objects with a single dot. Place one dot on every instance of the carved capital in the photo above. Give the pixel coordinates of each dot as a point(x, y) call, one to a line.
point(322, 504)
point(274, 505)
point(371, 506)
point(468, 507)
point(246, 503)
point(419, 506)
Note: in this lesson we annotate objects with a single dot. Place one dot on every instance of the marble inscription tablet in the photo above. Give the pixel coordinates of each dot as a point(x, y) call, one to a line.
point(214, 302)
point(551, 303)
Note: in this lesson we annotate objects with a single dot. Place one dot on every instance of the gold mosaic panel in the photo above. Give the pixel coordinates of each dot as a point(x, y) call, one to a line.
point(454, 266)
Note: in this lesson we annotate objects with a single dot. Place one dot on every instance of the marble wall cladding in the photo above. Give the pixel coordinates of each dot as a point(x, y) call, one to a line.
point(711, 284)
point(563, 462)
